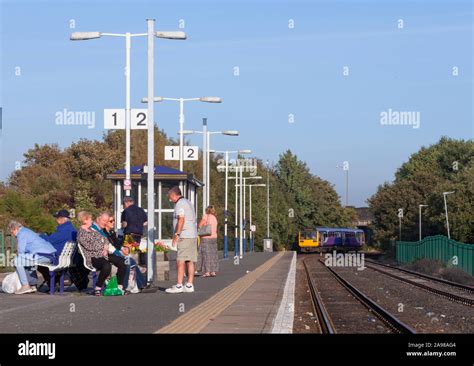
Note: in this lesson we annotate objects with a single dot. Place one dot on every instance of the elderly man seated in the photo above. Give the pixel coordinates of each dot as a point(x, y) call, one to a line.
point(65, 232)
point(32, 250)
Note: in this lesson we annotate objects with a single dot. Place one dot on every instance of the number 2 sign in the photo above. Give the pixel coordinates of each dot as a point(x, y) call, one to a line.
point(190, 152)
point(114, 119)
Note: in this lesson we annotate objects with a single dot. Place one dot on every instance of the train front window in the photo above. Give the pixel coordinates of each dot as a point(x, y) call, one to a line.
point(308, 235)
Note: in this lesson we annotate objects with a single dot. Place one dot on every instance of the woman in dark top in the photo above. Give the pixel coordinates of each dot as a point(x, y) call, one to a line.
point(124, 252)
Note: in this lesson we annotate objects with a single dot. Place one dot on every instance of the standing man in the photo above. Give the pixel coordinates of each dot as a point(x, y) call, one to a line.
point(184, 238)
point(133, 219)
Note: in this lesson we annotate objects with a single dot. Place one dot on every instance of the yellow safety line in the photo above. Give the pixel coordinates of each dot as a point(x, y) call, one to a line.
point(199, 317)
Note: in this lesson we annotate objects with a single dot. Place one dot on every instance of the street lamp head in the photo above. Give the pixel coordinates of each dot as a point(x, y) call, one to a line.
point(155, 99)
point(258, 185)
point(187, 132)
point(230, 133)
point(245, 151)
point(83, 36)
point(257, 177)
point(211, 99)
point(171, 35)
point(211, 151)
point(445, 193)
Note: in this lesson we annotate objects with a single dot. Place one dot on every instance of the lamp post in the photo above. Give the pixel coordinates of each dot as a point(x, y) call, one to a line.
point(268, 200)
point(419, 217)
point(345, 168)
point(151, 34)
point(446, 211)
point(244, 219)
point(226, 213)
point(83, 36)
point(206, 156)
point(182, 118)
point(250, 213)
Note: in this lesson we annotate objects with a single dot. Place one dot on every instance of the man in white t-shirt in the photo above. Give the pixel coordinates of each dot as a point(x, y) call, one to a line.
point(185, 239)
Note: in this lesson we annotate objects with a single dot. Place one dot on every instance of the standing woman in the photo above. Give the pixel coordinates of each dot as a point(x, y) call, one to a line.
point(208, 247)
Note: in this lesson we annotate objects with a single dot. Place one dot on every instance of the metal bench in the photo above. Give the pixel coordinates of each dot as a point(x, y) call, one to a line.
point(64, 262)
point(92, 269)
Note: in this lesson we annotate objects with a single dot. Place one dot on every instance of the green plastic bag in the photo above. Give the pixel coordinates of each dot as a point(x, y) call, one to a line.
point(112, 288)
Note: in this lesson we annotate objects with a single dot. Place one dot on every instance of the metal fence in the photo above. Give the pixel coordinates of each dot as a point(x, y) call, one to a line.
point(437, 247)
point(7, 243)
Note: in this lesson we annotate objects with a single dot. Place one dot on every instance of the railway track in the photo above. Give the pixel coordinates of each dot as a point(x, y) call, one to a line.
point(464, 294)
point(337, 309)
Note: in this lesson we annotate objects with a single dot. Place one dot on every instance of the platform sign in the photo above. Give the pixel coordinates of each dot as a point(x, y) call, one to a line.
point(127, 184)
point(171, 152)
point(190, 152)
point(253, 228)
point(114, 119)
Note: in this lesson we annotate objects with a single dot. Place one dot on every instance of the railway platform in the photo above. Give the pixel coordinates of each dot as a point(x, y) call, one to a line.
point(252, 295)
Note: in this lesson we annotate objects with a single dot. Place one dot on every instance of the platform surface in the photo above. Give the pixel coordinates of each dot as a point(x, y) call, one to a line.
point(244, 297)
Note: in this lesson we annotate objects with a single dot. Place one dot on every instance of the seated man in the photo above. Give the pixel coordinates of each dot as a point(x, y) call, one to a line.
point(65, 231)
point(32, 250)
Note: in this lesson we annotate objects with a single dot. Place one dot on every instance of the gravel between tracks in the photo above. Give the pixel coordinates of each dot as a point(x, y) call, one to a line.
point(425, 312)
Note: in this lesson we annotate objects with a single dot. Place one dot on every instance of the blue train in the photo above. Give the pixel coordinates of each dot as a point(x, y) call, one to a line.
point(330, 238)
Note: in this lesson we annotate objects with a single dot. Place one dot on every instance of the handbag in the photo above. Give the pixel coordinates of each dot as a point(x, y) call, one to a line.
point(205, 230)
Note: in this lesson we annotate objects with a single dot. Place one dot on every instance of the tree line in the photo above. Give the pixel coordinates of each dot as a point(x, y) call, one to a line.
point(52, 178)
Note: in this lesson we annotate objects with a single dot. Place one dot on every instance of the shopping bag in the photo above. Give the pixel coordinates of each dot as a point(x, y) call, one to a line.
point(132, 282)
point(112, 288)
point(11, 283)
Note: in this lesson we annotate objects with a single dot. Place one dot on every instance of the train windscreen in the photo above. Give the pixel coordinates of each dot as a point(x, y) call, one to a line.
point(308, 235)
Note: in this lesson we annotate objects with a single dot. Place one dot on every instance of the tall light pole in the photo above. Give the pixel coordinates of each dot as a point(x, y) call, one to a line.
point(150, 264)
point(182, 118)
point(83, 36)
point(241, 224)
point(206, 157)
point(250, 213)
point(419, 217)
point(446, 211)
point(345, 168)
point(400, 217)
point(268, 200)
point(226, 213)
point(236, 237)
point(78, 36)
point(244, 219)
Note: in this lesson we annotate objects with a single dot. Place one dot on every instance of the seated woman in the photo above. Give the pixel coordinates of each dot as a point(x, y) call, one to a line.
point(124, 251)
point(96, 250)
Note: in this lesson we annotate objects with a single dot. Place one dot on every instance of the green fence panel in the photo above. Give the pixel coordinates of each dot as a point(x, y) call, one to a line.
point(437, 247)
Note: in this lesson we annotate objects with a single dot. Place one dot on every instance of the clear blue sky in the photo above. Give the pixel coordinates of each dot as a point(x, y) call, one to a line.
point(282, 71)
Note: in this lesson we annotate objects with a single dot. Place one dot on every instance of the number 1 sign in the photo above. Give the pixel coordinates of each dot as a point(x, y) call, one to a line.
point(190, 152)
point(114, 119)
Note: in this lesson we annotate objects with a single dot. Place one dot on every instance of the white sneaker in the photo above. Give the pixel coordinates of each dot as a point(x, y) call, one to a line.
point(176, 289)
point(189, 287)
point(25, 290)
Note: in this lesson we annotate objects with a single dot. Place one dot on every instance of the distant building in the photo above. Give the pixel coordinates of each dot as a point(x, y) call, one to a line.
point(364, 221)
